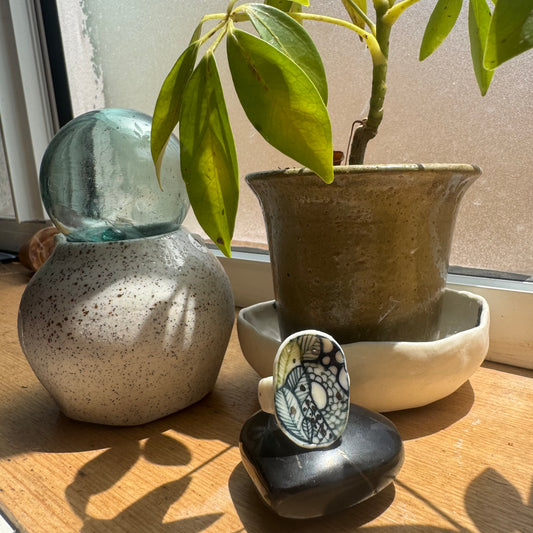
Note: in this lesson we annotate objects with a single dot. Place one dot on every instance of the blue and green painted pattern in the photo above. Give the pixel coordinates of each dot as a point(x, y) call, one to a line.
point(312, 389)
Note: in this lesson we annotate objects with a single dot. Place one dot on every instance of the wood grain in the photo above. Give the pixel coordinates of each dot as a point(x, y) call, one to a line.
point(469, 458)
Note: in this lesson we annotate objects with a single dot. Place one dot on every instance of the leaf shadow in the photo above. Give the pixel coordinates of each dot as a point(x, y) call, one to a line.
point(148, 513)
point(105, 470)
point(495, 505)
point(100, 474)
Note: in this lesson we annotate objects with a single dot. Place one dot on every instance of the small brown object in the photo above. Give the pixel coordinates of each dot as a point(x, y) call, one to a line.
point(38, 249)
point(337, 157)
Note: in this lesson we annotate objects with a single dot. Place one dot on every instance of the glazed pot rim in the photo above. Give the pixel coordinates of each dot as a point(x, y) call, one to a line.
point(411, 168)
point(483, 321)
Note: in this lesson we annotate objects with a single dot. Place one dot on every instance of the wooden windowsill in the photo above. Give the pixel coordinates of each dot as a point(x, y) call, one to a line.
point(468, 463)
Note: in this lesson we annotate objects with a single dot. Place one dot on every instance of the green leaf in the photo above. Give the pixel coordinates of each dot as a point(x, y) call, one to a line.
point(208, 158)
point(354, 12)
point(197, 33)
point(440, 23)
point(168, 105)
point(285, 5)
point(479, 17)
point(281, 102)
point(288, 36)
point(510, 32)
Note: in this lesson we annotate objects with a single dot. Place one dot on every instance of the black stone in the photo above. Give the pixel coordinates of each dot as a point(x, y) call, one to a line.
point(301, 483)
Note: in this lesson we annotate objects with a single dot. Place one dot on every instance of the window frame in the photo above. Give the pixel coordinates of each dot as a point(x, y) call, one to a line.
point(26, 111)
point(29, 119)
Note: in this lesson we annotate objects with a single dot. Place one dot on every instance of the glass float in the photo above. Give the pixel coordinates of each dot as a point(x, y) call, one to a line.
point(98, 180)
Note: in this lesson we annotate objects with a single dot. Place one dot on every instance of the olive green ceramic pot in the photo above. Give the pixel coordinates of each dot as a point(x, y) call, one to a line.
point(364, 258)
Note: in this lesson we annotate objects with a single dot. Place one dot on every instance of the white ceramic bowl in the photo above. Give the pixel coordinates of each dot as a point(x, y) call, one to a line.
point(389, 376)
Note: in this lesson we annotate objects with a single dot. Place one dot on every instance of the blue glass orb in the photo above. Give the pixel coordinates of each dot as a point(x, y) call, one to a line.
point(98, 180)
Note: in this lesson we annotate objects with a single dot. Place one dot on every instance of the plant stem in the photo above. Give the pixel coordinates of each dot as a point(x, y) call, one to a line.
point(351, 4)
point(219, 37)
point(230, 7)
point(371, 42)
point(396, 10)
point(201, 40)
point(369, 126)
point(213, 16)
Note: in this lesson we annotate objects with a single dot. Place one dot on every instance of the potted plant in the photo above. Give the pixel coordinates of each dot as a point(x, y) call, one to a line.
point(358, 251)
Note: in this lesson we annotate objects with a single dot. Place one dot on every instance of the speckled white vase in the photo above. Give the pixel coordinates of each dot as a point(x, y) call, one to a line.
point(126, 332)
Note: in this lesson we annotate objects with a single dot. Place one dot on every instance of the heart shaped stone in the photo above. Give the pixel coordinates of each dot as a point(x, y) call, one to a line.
point(304, 483)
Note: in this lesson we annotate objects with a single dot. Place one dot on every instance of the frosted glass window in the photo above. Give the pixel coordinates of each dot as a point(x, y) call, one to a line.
point(118, 54)
point(6, 200)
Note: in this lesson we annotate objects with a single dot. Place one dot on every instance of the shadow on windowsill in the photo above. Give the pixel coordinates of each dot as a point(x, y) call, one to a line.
point(432, 418)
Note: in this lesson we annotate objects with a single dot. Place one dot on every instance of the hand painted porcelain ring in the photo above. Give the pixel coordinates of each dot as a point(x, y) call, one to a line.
point(309, 391)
